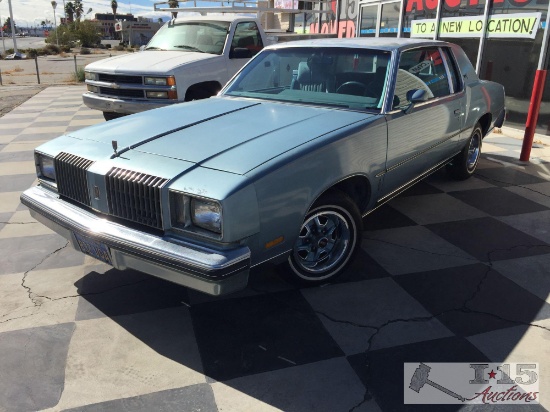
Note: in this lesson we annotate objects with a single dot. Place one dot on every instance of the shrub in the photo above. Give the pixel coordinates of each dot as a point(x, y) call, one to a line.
point(79, 74)
point(130, 49)
point(107, 46)
point(66, 48)
point(120, 47)
point(52, 49)
point(32, 53)
point(85, 50)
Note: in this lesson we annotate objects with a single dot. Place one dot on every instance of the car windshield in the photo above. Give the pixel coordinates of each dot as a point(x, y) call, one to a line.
point(341, 77)
point(192, 36)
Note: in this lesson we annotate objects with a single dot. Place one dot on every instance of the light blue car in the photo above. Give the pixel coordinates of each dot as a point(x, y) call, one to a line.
point(281, 166)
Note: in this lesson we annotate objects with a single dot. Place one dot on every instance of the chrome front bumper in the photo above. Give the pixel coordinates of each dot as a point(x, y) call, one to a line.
point(109, 104)
point(207, 270)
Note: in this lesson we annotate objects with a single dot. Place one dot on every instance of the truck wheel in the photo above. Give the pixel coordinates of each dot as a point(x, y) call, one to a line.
point(329, 238)
point(464, 164)
point(112, 115)
point(198, 94)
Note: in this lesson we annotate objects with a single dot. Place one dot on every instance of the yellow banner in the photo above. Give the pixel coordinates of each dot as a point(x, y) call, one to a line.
point(519, 25)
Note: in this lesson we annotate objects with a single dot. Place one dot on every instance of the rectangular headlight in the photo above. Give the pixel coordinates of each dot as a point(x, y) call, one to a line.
point(207, 215)
point(157, 95)
point(156, 81)
point(160, 81)
point(45, 166)
point(90, 75)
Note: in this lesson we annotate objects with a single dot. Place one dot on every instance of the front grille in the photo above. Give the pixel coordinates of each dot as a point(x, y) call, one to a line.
point(71, 177)
point(119, 78)
point(135, 196)
point(121, 92)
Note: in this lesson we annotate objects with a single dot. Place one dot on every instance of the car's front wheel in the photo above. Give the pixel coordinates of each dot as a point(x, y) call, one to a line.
point(328, 239)
point(464, 164)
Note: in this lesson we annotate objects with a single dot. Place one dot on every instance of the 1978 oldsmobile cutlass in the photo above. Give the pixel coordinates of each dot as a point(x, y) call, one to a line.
point(305, 140)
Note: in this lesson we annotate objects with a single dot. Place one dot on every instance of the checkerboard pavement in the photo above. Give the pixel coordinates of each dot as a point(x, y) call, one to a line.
point(448, 272)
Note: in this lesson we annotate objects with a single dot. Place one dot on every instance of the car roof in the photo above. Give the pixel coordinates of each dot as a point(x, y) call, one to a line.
point(380, 43)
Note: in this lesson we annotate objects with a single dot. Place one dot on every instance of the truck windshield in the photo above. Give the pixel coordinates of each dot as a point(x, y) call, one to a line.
point(333, 76)
point(192, 36)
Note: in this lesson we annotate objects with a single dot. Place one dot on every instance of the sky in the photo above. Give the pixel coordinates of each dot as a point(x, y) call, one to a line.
point(29, 13)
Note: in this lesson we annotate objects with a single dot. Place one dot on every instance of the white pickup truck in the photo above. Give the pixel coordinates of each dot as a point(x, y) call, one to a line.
point(187, 59)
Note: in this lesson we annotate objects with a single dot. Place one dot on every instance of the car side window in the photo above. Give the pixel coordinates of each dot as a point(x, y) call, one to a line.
point(247, 35)
point(421, 69)
point(453, 70)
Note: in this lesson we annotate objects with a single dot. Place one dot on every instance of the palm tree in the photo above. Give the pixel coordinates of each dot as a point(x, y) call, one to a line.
point(78, 8)
point(114, 6)
point(174, 4)
point(69, 12)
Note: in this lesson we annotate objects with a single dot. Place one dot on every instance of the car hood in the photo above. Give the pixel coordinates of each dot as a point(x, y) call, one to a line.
point(150, 61)
point(232, 135)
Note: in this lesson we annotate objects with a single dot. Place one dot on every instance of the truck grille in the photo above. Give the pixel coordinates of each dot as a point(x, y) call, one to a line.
point(119, 78)
point(135, 196)
point(70, 172)
point(121, 92)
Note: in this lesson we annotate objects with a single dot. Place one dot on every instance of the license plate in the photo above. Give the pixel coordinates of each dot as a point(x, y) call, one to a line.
point(94, 249)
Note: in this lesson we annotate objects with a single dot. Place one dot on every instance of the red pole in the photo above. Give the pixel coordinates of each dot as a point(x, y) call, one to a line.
point(533, 115)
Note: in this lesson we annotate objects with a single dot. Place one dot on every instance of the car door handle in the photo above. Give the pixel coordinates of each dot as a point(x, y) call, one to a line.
point(458, 112)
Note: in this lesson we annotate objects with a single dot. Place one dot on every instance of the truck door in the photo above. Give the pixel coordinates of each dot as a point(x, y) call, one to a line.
point(248, 41)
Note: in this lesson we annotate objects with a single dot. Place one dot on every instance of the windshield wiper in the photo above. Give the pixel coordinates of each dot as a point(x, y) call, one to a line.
point(184, 46)
point(154, 48)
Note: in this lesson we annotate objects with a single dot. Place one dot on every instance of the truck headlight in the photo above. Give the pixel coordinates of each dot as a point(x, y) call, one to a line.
point(157, 95)
point(160, 81)
point(45, 166)
point(90, 75)
point(207, 215)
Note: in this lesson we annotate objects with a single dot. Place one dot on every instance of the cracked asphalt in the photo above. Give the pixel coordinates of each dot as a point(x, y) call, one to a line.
point(449, 272)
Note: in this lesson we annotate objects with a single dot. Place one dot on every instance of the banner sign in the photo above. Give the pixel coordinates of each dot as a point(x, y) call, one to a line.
point(518, 26)
point(286, 4)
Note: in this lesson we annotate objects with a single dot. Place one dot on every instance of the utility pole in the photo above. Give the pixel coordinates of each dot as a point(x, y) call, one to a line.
point(3, 41)
point(12, 30)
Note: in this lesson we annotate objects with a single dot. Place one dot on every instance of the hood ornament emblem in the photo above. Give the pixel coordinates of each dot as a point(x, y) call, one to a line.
point(115, 146)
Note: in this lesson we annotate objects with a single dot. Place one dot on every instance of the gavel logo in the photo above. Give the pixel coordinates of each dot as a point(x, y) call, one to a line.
point(420, 378)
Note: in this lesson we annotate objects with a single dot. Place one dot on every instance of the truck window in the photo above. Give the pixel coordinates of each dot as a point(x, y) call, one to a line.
point(192, 36)
point(247, 35)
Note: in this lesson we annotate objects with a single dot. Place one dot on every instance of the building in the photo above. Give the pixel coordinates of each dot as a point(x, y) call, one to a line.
point(503, 38)
point(137, 32)
point(106, 22)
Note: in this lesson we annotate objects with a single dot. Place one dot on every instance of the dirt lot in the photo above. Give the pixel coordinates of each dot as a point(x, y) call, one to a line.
point(19, 80)
point(13, 96)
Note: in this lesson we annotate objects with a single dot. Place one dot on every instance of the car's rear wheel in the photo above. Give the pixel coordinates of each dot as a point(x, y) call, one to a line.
point(464, 164)
point(328, 239)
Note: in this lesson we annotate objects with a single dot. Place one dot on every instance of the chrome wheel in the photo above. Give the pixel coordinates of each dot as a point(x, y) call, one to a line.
point(474, 150)
point(464, 164)
point(326, 242)
point(323, 244)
